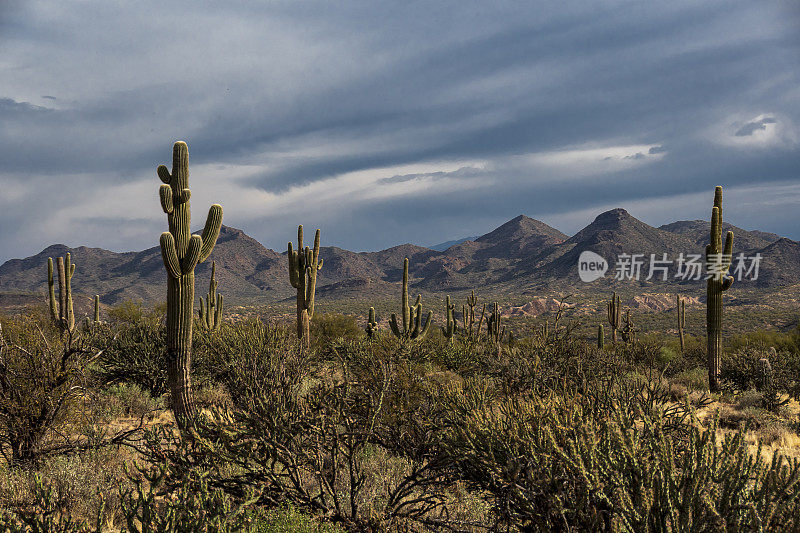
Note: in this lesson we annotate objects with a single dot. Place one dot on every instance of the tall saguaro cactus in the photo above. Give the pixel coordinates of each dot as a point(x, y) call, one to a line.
point(211, 308)
point(412, 314)
point(303, 266)
point(681, 306)
point(718, 261)
point(181, 252)
point(614, 316)
point(61, 312)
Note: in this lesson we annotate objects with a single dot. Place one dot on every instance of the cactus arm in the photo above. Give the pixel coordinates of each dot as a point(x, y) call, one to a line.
point(192, 254)
point(211, 231)
point(165, 195)
point(480, 322)
point(310, 290)
point(163, 174)
point(294, 277)
point(404, 298)
point(428, 322)
point(51, 290)
point(202, 311)
point(218, 313)
point(315, 259)
point(70, 269)
point(394, 326)
point(169, 254)
point(62, 292)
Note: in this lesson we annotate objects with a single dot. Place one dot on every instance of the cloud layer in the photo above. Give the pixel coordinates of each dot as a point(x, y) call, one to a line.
point(388, 122)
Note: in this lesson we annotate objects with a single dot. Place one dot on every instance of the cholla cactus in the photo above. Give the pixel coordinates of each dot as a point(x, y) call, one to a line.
point(61, 312)
point(303, 266)
point(718, 259)
point(181, 252)
point(412, 327)
point(771, 398)
point(372, 324)
point(450, 330)
point(614, 315)
point(211, 308)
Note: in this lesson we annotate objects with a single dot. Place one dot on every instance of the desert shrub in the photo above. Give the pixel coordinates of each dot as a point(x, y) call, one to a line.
point(548, 463)
point(329, 326)
point(127, 311)
point(355, 444)
point(42, 375)
point(741, 369)
point(137, 354)
point(125, 400)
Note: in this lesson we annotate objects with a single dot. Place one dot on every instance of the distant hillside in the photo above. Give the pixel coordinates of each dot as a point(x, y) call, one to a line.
point(523, 253)
point(442, 246)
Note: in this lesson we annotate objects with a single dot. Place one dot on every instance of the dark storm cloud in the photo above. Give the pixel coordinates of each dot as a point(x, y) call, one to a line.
point(754, 126)
point(304, 93)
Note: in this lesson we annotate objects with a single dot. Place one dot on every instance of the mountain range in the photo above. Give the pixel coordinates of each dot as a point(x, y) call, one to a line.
point(523, 254)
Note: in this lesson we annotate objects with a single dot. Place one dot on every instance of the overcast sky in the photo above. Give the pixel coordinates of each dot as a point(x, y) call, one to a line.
point(392, 122)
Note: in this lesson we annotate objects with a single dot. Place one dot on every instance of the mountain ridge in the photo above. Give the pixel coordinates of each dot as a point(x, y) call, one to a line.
point(520, 252)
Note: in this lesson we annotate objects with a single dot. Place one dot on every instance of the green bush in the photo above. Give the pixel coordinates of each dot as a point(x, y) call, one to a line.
point(328, 326)
point(136, 354)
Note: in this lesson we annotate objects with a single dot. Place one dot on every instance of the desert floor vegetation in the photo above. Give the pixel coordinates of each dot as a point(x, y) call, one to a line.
point(358, 433)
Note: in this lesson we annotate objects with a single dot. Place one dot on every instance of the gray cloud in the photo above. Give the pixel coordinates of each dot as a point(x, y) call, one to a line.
point(289, 97)
point(751, 127)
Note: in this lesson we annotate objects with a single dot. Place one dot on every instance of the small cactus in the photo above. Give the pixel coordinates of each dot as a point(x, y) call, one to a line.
point(450, 330)
point(600, 337)
point(412, 328)
point(771, 398)
point(61, 312)
point(681, 304)
point(211, 309)
point(372, 324)
point(304, 263)
point(628, 331)
point(614, 315)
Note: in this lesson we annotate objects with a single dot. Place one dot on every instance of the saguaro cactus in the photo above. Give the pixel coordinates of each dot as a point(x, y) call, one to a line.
point(628, 331)
point(600, 337)
point(372, 324)
point(303, 266)
point(718, 261)
point(681, 307)
point(450, 330)
point(211, 308)
point(412, 314)
point(614, 316)
point(468, 316)
point(181, 252)
point(61, 312)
